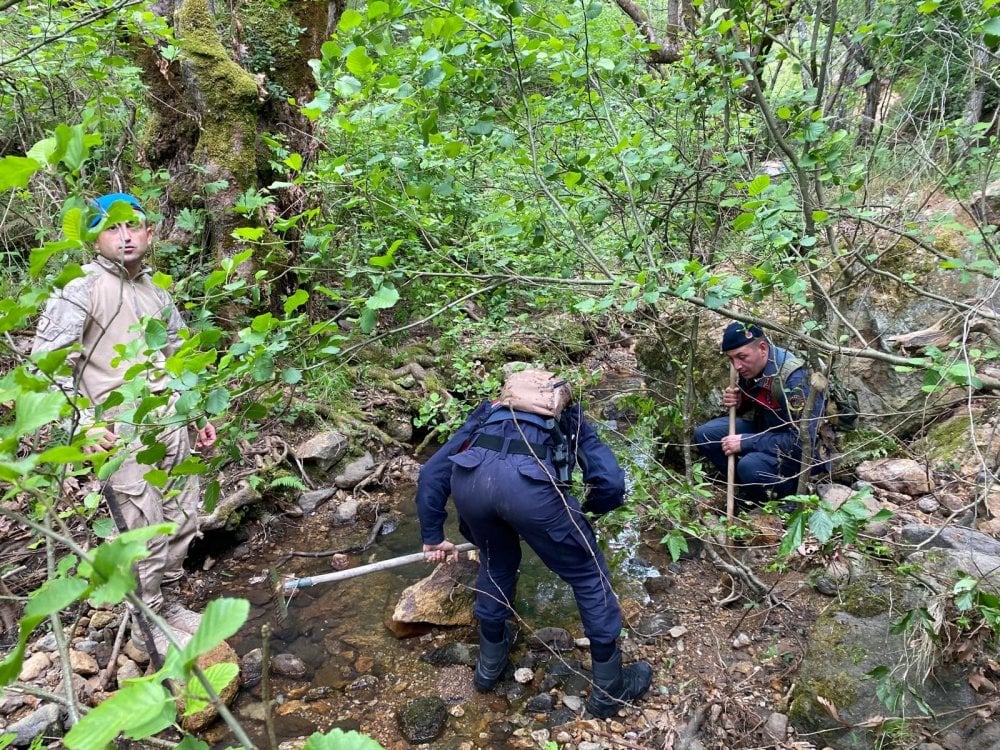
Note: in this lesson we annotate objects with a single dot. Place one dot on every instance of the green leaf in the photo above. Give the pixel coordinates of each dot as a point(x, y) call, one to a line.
point(16, 171)
point(250, 234)
point(219, 675)
point(296, 300)
point(358, 62)
point(222, 618)
point(821, 524)
point(594, 10)
point(350, 19)
point(54, 596)
point(291, 376)
point(385, 297)
point(743, 221)
point(140, 703)
point(759, 184)
point(32, 410)
point(338, 739)
point(992, 27)
point(217, 401)
point(367, 320)
point(156, 334)
point(864, 78)
point(40, 255)
point(794, 535)
point(151, 454)
point(263, 368)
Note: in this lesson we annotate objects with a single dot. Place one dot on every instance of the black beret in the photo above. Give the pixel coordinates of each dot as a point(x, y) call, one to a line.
point(740, 334)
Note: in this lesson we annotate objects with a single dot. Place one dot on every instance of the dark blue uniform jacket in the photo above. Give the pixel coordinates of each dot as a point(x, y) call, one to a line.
point(602, 475)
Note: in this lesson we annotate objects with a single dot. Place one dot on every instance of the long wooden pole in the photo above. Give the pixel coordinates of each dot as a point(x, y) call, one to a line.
point(731, 464)
point(342, 575)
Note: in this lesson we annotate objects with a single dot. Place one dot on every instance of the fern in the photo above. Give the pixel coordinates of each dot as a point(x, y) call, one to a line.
point(287, 482)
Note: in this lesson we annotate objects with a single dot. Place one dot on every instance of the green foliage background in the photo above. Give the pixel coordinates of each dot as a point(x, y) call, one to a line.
point(532, 159)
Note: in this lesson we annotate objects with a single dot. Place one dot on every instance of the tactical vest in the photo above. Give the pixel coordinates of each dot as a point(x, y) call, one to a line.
point(788, 364)
point(558, 453)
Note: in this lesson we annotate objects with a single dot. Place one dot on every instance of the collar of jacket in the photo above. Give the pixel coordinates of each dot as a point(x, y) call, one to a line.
point(118, 269)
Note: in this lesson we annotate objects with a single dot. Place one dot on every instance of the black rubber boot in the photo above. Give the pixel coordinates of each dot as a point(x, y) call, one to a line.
point(492, 660)
point(614, 685)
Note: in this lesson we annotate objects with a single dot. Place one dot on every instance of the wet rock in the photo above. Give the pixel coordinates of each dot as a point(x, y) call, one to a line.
point(947, 564)
point(561, 717)
point(878, 529)
point(102, 618)
point(423, 719)
point(309, 501)
point(835, 494)
point(11, 702)
point(355, 472)
point(515, 691)
point(86, 645)
point(555, 639)
point(986, 737)
point(540, 736)
point(658, 586)
point(657, 623)
point(539, 704)
point(777, 727)
point(222, 653)
point(288, 665)
point(565, 667)
point(445, 597)
point(903, 475)
point(254, 711)
point(950, 537)
point(363, 682)
point(127, 670)
point(324, 448)
point(46, 643)
point(400, 429)
point(34, 665)
point(82, 663)
point(450, 654)
point(252, 668)
point(346, 511)
point(43, 720)
point(928, 504)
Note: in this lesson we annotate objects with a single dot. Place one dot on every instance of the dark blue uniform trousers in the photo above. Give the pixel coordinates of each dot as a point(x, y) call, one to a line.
point(501, 497)
point(756, 471)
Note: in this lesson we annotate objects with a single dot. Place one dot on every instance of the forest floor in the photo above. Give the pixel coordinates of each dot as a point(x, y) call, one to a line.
point(724, 663)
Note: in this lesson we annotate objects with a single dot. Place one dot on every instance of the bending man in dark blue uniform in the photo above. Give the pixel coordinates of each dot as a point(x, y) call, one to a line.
point(770, 397)
point(505, 473)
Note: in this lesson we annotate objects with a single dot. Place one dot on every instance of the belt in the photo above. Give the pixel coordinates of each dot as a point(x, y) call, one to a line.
point(510, 445)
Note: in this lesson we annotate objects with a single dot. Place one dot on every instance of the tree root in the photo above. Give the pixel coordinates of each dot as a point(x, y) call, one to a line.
point(220, 517)
point(758, 590)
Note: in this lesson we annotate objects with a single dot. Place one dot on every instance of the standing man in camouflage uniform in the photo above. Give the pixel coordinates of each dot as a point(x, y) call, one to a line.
point(110, 306)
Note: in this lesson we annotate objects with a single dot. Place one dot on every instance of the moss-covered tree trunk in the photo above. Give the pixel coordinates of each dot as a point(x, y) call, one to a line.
point(241, 73)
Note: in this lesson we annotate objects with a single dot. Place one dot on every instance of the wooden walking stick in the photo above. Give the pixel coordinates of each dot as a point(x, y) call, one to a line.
point(731, 467)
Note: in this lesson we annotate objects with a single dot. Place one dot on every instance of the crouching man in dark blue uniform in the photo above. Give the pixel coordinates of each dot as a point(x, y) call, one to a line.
point(770, 399)
point(509, 479)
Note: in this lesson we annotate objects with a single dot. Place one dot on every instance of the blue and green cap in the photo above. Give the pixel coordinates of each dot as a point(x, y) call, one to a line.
point(101, 206)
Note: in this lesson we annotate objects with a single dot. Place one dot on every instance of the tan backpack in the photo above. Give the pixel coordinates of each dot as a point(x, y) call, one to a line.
point(536, 392)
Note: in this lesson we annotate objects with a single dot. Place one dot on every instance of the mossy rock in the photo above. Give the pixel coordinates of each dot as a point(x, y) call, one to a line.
point(843, 649)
